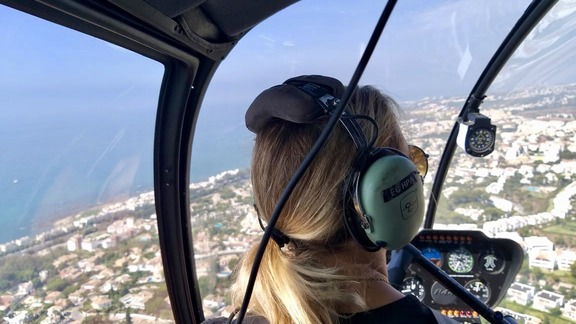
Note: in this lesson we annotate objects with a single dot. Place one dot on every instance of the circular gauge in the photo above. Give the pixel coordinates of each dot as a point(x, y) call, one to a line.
point(481, 140)
point(441, 295)
point(460, 260)
point(479, 290)
point(433, 255)
point(414, 286)
point(492, 262)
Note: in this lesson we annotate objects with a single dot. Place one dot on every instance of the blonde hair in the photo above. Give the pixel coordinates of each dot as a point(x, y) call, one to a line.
point(294, 284)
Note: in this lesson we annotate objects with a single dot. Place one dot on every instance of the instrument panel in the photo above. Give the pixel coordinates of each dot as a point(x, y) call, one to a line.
point(484, 266)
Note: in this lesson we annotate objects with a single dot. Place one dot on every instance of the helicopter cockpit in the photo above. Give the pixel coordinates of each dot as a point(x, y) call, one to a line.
point(125, 189)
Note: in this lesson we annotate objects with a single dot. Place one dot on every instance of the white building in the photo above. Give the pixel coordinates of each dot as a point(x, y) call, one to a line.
point(89, 244)
point(521, 293)
point(108, 242)
point(101, 302)
point(25, 288)
point(569, 309)
point(19, 317)
point(533, 243)
point(136, 301)
point(543, 259)
point(502, 204)
point(565, 259)
point(545, 300)
point(73, 243)
point(23, 241)
point(495, 187)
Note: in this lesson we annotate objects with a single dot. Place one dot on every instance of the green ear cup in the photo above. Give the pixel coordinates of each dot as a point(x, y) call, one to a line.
point(391, 197)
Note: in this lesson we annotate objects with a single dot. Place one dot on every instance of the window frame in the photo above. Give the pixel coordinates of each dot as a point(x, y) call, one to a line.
point(186, 77)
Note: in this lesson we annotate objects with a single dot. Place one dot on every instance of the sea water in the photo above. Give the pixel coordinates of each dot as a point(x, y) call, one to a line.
point(58, 163)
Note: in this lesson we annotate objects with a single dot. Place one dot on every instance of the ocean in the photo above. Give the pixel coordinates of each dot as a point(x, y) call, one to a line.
point(60, 162)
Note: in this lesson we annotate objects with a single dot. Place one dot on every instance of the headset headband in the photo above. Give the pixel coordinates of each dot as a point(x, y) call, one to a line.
point(303, 100)
point(382, 184)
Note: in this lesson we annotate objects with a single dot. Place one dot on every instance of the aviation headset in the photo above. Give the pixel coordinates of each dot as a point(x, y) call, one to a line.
point(384, 184)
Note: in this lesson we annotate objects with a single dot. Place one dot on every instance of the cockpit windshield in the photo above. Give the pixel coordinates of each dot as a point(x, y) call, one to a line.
point(91, 148)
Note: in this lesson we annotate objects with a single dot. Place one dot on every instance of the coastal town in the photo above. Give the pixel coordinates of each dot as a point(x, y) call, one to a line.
point(103, 265)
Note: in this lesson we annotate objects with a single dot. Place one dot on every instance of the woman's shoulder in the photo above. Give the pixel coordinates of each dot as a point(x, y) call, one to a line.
point(247, 320)
point(405, 310)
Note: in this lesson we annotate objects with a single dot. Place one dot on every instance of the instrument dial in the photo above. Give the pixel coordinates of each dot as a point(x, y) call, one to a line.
point(460, 261)
point(433, 255)
point(481, 140)
point(479, 290)
point(492, 262)
point(414, 286)
point(441, 295)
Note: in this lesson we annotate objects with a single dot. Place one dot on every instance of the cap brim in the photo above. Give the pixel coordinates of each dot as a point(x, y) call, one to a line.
point(288, 102)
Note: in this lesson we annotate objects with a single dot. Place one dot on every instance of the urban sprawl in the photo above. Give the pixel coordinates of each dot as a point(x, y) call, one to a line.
point(104, 265)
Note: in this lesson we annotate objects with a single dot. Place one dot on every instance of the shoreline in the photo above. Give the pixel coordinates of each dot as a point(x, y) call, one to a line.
point(67, 225)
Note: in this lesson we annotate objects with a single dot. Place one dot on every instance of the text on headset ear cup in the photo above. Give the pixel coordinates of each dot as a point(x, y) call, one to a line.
point(390, 195)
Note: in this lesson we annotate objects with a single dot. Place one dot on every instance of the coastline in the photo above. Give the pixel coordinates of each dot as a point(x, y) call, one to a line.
point(63, 226)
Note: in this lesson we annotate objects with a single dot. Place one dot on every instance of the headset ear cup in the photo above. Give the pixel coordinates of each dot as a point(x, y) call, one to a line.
point(353, 215)
point(390, 196)
point(355, 228)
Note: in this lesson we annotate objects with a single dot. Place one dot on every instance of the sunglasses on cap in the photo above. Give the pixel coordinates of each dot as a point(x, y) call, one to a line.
point(419, 158)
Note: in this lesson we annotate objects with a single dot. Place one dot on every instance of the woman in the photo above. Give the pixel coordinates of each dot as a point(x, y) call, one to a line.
point(314, 271)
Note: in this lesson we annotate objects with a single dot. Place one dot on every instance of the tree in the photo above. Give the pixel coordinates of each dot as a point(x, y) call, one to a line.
point(98, 319)
point(205, 286)
point(56, 284)
point(69, 289)
point(555, 312)
point(525, 231)
point(492, 213)
point(18, 269)
point(227, 193)
point(232, 263)
point(538, 274)
point(128, 317)
point(573, 269)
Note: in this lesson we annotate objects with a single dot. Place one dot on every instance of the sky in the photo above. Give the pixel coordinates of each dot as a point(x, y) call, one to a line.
point(327, 37)
point(444, 41)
